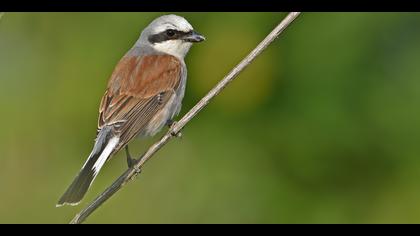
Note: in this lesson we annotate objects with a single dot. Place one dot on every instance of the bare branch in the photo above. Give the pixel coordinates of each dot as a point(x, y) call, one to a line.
point(177, 127)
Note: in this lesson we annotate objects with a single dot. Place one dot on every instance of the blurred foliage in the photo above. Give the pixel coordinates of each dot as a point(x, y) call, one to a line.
point(324, 127)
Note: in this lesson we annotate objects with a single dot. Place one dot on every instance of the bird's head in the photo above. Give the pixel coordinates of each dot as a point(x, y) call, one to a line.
point(170, 34)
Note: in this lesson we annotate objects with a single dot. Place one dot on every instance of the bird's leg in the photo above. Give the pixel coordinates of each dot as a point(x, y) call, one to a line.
point(130, 161)
point(170, 123)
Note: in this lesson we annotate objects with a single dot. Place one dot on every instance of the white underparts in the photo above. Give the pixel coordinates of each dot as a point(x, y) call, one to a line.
point(161, 117)
point(177, 48)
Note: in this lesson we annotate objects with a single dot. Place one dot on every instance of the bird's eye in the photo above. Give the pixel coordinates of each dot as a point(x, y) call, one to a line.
point(170, 33)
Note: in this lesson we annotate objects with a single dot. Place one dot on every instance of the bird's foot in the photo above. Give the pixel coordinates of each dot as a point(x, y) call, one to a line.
point(137, 171)
point(171, 124)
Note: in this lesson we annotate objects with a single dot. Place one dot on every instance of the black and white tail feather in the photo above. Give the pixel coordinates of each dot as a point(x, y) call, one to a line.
point(106, 142)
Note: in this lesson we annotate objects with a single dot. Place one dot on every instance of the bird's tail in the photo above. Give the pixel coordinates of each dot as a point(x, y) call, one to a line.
point(105, 144)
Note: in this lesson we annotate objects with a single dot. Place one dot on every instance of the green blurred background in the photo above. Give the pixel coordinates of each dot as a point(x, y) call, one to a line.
point(324, 127)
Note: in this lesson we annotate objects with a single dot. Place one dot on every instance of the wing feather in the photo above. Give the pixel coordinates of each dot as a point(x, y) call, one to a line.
point(138, 89)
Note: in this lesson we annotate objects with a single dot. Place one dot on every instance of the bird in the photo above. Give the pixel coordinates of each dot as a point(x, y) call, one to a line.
point(144, 94)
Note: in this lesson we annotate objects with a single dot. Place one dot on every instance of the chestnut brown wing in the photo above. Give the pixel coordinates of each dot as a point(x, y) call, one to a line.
point(138, 89)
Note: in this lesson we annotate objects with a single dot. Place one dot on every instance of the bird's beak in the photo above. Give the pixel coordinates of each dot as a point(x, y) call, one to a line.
point(194, 37)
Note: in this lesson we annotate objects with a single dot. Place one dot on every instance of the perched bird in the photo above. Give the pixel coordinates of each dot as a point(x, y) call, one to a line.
point(144, 93)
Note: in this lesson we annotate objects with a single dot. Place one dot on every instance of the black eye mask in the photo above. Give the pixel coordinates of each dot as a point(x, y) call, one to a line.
point(166, 35)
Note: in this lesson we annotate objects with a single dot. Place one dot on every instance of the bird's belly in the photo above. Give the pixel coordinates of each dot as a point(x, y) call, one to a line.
point(161, 118)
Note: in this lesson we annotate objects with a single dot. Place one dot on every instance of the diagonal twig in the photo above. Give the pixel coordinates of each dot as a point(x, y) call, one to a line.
point(129, 174)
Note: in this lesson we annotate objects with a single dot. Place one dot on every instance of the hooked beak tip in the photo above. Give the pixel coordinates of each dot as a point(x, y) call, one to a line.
point(195, 37)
